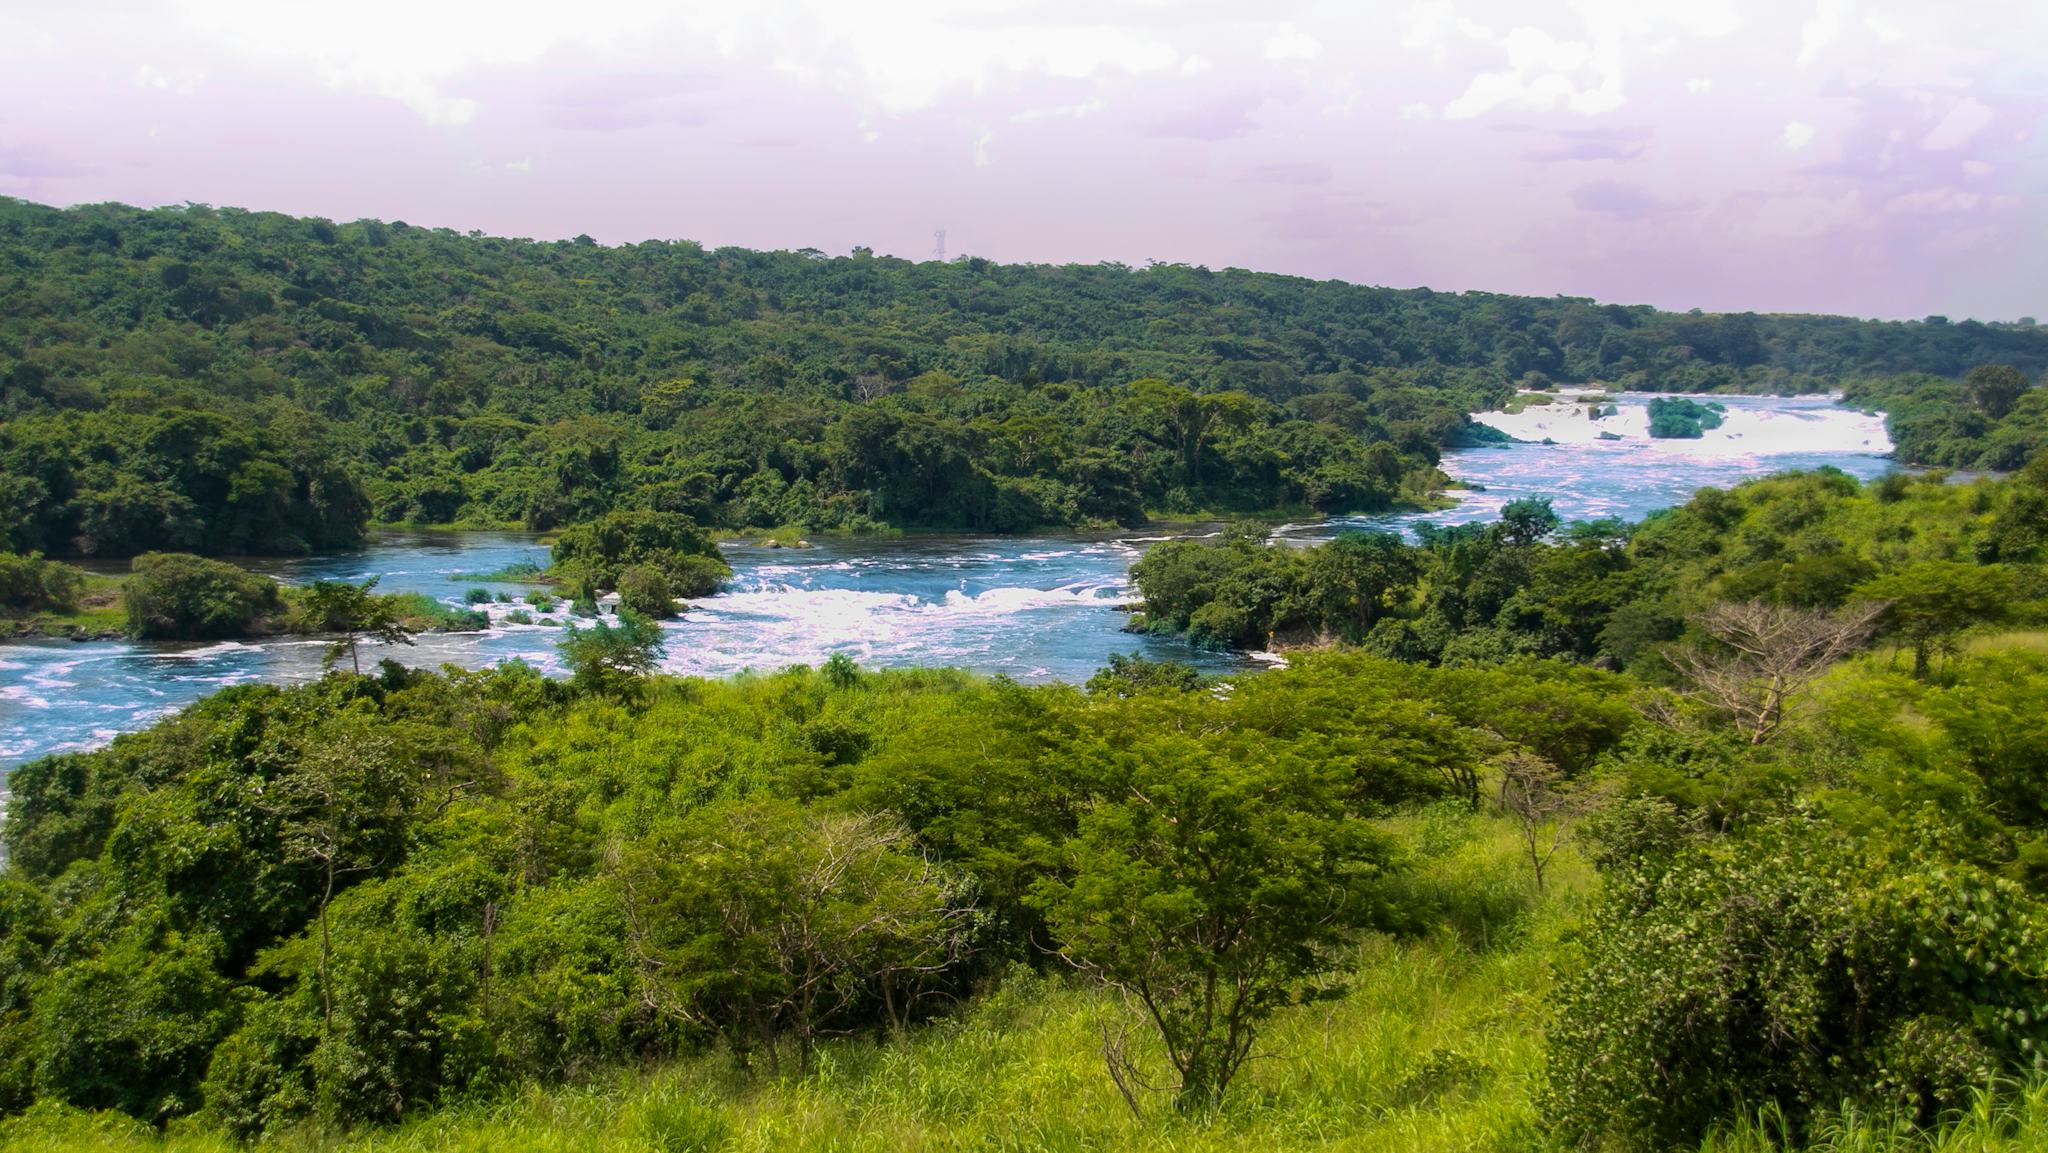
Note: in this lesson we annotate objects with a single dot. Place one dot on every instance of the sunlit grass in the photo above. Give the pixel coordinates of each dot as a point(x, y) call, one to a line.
point(1437, 1045)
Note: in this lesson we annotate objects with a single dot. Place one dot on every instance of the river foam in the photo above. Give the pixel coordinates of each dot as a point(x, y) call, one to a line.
point(1032, 608)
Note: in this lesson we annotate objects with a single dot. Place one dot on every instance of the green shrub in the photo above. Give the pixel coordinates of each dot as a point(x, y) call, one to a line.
point(644, 590)
point(477, 596)
point(1793, 970)
point(599, 552)
point(177, 596)
point(33, 584)
point(1678, 418)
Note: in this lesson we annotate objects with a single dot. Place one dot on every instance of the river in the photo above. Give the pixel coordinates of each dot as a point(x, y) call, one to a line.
point(1033, 608)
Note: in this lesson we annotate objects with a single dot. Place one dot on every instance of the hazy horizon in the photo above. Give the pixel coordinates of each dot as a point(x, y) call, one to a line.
point(1831, 156)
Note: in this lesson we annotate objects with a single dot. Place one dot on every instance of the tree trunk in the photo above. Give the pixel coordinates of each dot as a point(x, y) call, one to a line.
point(326, 951)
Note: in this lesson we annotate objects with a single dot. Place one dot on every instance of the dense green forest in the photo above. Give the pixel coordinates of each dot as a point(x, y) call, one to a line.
point(1724, 831)
point(1995, 418)
point(1943, 557)
point(230, 382)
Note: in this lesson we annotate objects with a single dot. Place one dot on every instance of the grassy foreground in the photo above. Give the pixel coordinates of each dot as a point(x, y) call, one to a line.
point(1437, 1045)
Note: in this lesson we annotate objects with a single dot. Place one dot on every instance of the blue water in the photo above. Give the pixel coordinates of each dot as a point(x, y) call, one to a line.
point(1032, 608)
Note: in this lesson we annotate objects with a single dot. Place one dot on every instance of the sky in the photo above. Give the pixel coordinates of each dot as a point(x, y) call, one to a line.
point(1868, 157)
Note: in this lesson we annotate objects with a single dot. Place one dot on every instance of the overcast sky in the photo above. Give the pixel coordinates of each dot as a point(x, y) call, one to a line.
point(1872, 157)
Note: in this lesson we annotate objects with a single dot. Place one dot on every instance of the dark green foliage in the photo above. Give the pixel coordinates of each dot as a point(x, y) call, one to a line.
point(1681, 418)
point(1615, 594)
point(176, 596)
point(132, 1027)
point(1791, 967)
point(1995, 419)
point(644, 589)
point(600, 553)
point(33, 584)
point(1126, 676)
point(221, 381)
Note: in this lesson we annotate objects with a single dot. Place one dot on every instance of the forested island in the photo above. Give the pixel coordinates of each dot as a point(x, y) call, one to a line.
point(1726, 830)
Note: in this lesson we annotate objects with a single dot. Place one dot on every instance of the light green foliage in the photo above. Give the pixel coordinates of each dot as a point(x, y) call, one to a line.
point(1208, 886)
point(467, 910)
point(762, 921)
point(175, 596)
point(1929, 603)
point(1129, 675)
point(609, 657)
point(1601, 591)
point(33, 584)
point(1995, 418)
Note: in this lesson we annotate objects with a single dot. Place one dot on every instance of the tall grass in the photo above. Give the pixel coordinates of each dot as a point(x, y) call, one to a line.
point(1436, 1046)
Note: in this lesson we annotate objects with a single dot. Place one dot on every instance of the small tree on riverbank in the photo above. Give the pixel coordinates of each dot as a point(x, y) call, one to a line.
point(355, 613)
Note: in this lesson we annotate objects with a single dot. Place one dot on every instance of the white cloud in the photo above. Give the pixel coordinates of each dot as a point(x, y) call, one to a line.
point(184, 82)
point(409, 51)
point(1195, 65)
point(1416, 111)
point(1796, 136)
point(1584, 72)
point(1290, 43)
point(900, 54)
point(1964, 121)
point(981, 143)
point(1830, 17)
point(1428, 30)
point(1060, 112)
point(1699, 85)
point(1543, 72)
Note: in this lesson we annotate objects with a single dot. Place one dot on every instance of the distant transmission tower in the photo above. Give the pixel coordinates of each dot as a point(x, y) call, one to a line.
point(939, 245)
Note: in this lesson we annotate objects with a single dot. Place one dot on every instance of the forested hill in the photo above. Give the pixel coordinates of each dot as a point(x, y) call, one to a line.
point(226, 381)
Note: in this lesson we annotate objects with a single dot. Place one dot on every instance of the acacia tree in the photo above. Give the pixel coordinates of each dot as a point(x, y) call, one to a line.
point(341, 808)
point(1927, 604)
point(1535, 793)
point(1760, 657)
point(356, 613)
point(1996, 387)
point(764, 921)
point(610, 658)
point(1207, 888)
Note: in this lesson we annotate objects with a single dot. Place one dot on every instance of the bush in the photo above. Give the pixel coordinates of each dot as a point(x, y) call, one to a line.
point(1676, 418)
point(1795, 971)
point(32, 584)
point(477, 596)
point(599, 553)
point(177, 596)
point(644, 590)
point(1221, 625)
